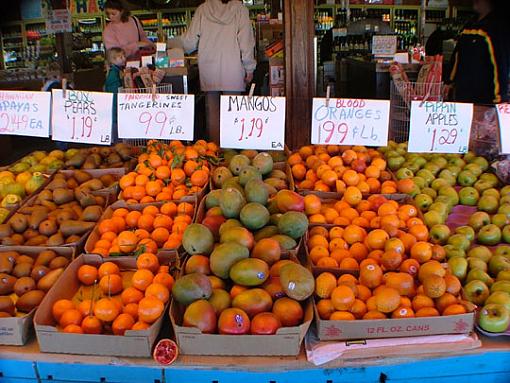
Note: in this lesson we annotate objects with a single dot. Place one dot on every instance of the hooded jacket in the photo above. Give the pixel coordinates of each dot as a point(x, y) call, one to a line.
point(224, 37)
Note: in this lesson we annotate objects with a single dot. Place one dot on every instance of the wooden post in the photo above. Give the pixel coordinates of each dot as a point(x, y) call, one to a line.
point(299, 70)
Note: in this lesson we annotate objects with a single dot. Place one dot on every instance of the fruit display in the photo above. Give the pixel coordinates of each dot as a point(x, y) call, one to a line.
point(248, 216)
point(438, 182)
point(169, 172)
point(233, 291)
point(38, 161)
point(333, 168)
point(66, 209)
point(128, 231)
point(278, 156)
point(112, 299)
point(101, 157)
point(238, 169)
point(26, 278)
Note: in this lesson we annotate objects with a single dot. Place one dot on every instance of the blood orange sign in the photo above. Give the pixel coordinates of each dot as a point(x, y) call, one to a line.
point(440, 127)
point(343, 121)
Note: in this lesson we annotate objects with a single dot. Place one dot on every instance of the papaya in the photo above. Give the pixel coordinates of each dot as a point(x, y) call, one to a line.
point(249, 272)
point(293, 223)
point(224, 256)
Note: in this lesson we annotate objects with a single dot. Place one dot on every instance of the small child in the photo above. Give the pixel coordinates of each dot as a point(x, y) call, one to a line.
point(114, 80)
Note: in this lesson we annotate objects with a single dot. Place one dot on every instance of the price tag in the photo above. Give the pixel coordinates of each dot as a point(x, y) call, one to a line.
point(346, 121)
point(384, 46)
point(256, 122)
point(84, 117)
point(440, 127)
point(167, 116)
point(504, 127)
point(25, 113)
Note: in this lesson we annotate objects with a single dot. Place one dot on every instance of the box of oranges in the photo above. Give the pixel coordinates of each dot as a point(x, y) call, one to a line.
point(106, 307)
point(133, 229)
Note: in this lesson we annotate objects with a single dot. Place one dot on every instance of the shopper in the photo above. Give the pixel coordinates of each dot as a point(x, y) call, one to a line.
point(222, 32)
point(114, 81)
point(125, 31)
point(481, 59)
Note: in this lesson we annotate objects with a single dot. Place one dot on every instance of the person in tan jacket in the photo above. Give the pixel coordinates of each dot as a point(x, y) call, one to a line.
point(222, 32)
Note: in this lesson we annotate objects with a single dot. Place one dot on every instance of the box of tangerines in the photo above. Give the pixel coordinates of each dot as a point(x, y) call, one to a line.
point(111, 307)
point(128, 230)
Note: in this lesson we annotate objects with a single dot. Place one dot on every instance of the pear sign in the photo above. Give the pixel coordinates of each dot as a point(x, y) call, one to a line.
point(440, 127)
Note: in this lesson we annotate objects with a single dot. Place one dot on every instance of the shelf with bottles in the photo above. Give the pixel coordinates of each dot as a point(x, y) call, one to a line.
point(352, 45)
point(149, 20)
point(172, 32)
point(88, 26)
point(323, 18)
point(435, 16)
point(175, 18)
point(463, 14)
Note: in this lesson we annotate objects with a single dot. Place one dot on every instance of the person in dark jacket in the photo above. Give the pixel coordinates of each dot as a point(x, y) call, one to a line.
point(481, 59)
point(114, 81)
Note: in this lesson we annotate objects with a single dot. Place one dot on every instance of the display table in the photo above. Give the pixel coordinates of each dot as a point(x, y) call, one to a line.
point(490, 363)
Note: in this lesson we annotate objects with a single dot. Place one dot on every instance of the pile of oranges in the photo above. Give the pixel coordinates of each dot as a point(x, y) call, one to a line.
point(111, 301)
point(384, 231)
point(333, 168)
point(423, 290)
point(169, 172)
point(133, 231)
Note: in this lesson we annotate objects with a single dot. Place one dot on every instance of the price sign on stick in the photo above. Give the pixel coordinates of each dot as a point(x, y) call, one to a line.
point(81, 116)
point(25, 113)
point(163, 116)
point(504, 127)
point(440, 127)
point(342, 121)
point(256, 122)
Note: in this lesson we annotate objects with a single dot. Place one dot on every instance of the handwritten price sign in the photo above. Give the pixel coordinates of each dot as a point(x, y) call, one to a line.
point(440, 127)
point(167, 116)
point(256, 122)
point(25, 113)
point(82, 116)
point(504, 127)
point(350, 122)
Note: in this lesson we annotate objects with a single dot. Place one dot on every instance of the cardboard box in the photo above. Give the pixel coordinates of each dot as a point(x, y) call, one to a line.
point(95, 236)
point(277, 91)
point(393, 328)
point(276, 71)
point(16, 331)
point(274, 48)
point(287, 340)
point(133, 343)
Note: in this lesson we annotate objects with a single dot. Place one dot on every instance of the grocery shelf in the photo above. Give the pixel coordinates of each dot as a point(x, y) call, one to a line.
point(490, 363)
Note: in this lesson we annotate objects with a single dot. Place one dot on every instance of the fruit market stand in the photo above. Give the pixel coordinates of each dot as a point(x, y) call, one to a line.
point(489, 363)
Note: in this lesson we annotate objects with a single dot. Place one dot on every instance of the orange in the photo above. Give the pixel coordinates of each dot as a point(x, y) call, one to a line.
point(434, 286)
point(374, 315)
point(340, 254)
point(91, 325)
point(358, 251)
point(421, 251)
point(288, 311)
point(349, 264)
point(329, 177)
point(337, 243)
point(410, 266)
point(430, 268)
point(71, 316)
point(127, 241)
point(444, 301)
point(142, 234)
point(147, 261)
point(327, 262)
point(350, 177)
point(86, 307)
point(371, 276)
point(160, 235)
point(317, 240)
point(61, 306)
point(141, 279)
point(319, 230)
point(358, 309)
point(421, 301)
point(387, 299)
point(352, 195)
point(111, 284)
point(406, 212)
point(87, 274)
point(73, 329)
point(379, 163)
point(405, 186)
point(405, 302)
point(298, 171)
point(426, 312)
point(146, 222)
point(295, 158)
point(312, 204)
point(317, 218)
point(353, 234)
point(103, 244)
point(386, 208)
point(336, 232)
point(325, 308)
point(342, 315)
point(438, 253)
point(162, 221)
point(363, 293)
point(158, 291)
point(349, 155)
point(199, 178)
point(131, 295)
point(395, 244)
point(165, 279)
point(453, 285)
point(107, 225)
point(329, 214)
point(391, 260)
point(150, 309)
point(455, 309)
point(342, 297)
point(376, 239)
point(317, 253)
point(419, 231)
point(122, 323)
point(119, 222)
point(107, 268)
point(152, 210)
point(325, 283)
point(169, 209)
point(403, 312)
point(408, 240)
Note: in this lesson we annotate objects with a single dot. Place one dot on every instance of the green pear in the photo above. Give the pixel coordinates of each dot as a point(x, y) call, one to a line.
point(477, 263)
point(503, 275)
point(499, 297)
point(454, 252)
point(498, 263)
point(458, 267)
point(479, 275)
point(480, 252)
point(501, 286)
point(467, 231)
